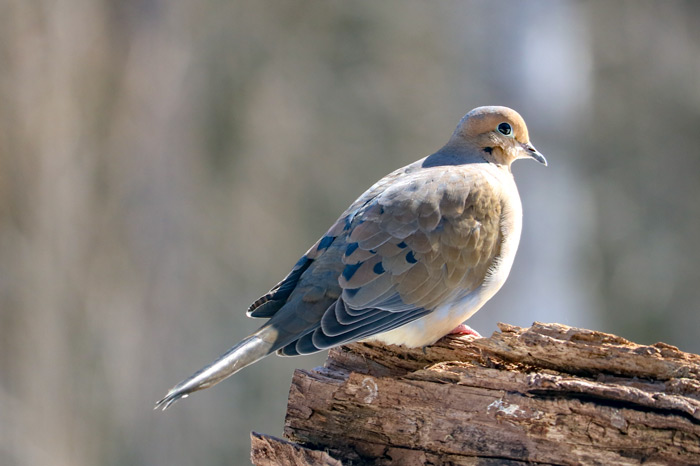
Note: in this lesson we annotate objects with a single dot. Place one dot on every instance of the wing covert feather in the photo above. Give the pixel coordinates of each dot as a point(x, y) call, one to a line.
point(439, 230)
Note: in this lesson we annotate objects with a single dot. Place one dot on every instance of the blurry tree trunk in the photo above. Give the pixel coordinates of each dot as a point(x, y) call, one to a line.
point(548, 394)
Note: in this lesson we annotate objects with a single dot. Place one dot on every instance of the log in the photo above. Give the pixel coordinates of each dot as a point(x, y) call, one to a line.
point(267, 450)
point(548, 394)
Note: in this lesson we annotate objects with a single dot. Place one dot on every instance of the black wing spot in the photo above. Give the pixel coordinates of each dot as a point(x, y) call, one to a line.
point(378, 268)
point(350, 270)
point(352, 247)
point(325, 242)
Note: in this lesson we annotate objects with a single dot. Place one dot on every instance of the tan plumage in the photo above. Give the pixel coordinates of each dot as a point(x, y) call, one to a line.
point(412, 258)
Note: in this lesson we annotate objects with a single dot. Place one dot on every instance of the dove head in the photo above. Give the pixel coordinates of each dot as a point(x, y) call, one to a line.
point(499, 135)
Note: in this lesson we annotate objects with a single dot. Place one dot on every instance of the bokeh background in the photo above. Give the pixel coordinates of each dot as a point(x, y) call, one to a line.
point(164, 163)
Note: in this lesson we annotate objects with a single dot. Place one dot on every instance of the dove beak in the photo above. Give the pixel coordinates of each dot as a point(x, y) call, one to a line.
point(534, 153)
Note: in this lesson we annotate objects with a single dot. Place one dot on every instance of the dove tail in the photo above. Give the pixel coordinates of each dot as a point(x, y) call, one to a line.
point(246, 352)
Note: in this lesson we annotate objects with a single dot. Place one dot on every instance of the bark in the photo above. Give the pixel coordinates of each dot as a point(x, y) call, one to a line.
point(267, 450)
point(548, 394)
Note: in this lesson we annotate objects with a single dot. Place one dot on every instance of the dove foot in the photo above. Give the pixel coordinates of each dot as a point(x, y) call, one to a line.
point(463, 329)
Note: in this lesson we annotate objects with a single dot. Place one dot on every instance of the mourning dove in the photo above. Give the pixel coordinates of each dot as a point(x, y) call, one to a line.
point(411, 259)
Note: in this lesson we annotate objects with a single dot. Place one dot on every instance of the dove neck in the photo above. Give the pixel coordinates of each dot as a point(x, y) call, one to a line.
point(461, 152)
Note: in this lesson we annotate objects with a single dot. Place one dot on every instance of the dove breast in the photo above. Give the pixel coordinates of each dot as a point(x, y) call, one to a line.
point(471, 218)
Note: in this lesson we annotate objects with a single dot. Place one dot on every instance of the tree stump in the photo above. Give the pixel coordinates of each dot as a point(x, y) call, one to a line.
point(548, 394)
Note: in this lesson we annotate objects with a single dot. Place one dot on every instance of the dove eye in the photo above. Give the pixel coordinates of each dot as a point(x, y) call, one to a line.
point(505, 129)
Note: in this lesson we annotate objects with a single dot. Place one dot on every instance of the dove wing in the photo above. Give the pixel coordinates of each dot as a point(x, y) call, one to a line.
point(428, 236)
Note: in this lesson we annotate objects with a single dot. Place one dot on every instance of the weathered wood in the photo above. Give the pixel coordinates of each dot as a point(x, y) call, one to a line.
point(267, 450)
point(548, 394)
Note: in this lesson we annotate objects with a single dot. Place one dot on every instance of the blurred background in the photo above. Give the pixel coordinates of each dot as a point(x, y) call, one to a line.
point(163, 164)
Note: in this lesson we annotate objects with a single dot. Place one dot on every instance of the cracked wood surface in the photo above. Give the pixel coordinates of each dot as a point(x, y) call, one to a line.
point(548, 394)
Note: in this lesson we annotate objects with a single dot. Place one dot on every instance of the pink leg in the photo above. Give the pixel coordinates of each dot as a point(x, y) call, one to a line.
point(463, 329)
